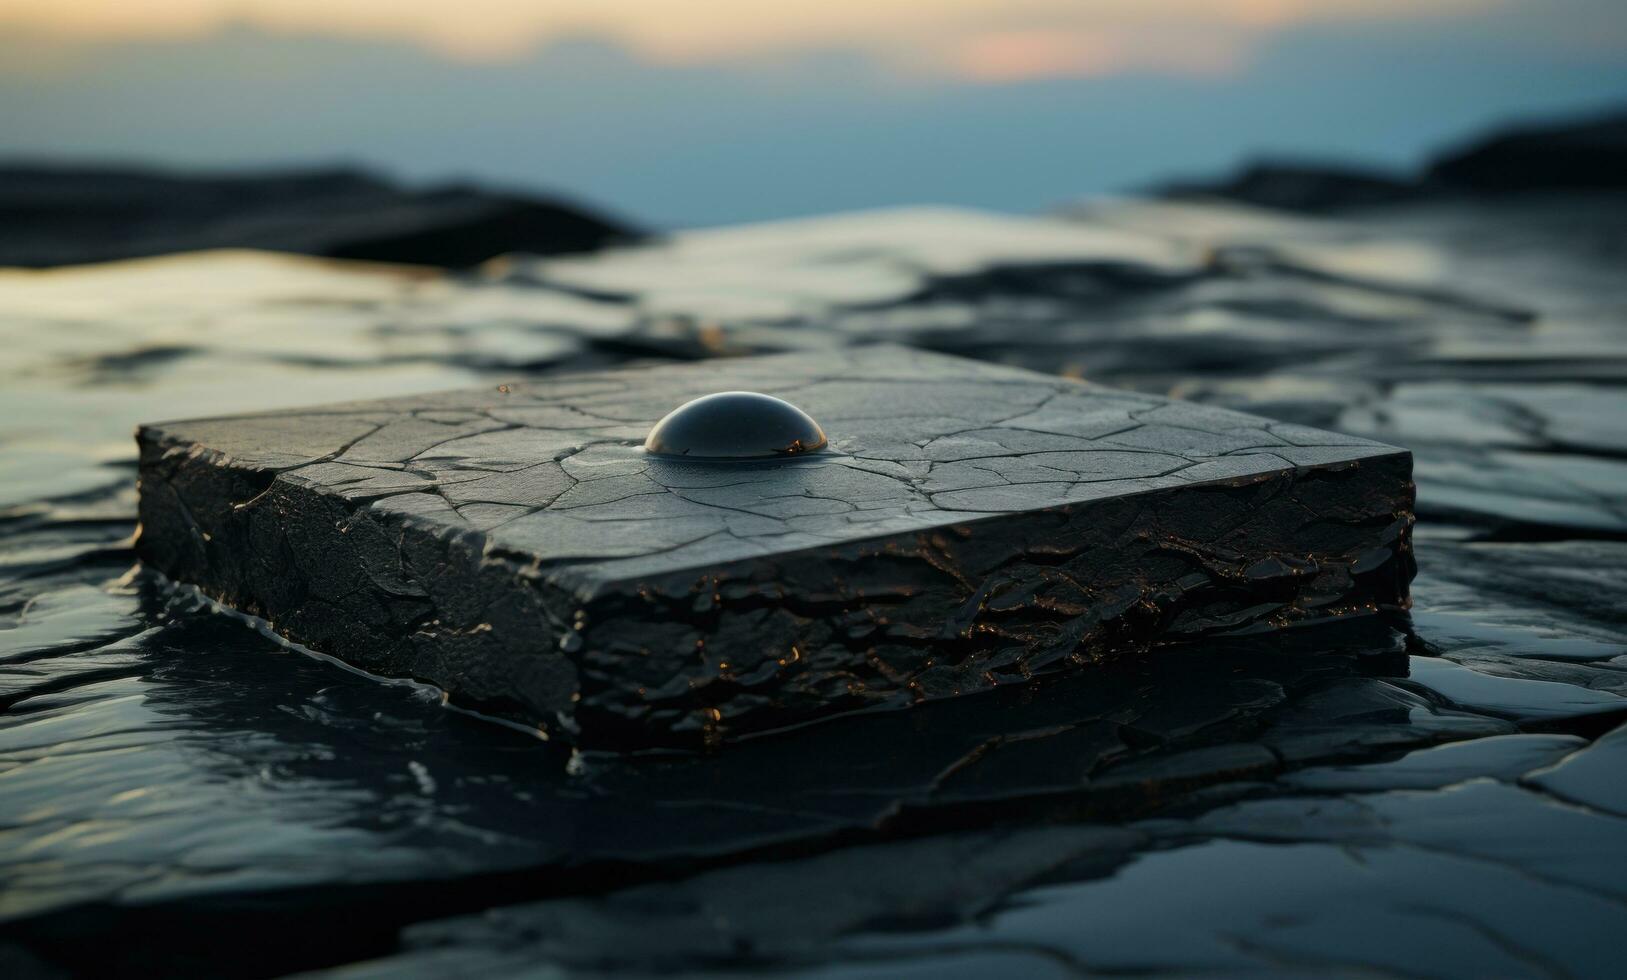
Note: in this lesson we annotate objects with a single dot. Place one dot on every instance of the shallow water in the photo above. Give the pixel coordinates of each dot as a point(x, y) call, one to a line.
point(178, 787)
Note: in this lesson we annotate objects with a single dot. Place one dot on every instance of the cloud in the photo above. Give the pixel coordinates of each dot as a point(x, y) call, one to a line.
point(1006, 56)
point(827, 129)
point(995, 40)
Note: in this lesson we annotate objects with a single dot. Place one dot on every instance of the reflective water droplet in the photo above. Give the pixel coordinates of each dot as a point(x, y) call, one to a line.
point(735, 425)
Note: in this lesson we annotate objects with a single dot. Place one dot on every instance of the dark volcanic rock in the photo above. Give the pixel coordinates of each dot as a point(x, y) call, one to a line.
point(1590, 155)
point(970, 526)
point(1302, 187)
point(63, 215)
point(1587, 155)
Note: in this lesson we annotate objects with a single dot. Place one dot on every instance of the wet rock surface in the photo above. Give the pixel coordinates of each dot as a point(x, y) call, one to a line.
point(180, 789)
point(972, 526)
point(56, 215)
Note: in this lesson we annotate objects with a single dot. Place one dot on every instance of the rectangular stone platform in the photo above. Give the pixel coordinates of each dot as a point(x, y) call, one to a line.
point(971, 525)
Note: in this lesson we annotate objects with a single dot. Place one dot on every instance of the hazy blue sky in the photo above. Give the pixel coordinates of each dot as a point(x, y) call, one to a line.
point(677, 120)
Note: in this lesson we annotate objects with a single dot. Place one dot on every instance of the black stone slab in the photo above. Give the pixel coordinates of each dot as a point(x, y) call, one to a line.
point(970, 525)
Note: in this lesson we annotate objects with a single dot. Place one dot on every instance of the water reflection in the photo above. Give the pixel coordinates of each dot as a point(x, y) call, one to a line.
point(205, 757)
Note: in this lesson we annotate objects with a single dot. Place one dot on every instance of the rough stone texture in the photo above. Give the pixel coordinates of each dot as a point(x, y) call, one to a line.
point(972, 525)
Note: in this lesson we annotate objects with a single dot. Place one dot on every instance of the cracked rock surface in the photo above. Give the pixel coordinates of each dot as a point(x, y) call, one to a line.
point(971, 525)
point(1437, 795)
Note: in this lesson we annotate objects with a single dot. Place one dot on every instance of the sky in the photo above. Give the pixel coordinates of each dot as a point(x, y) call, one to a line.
point(695, 112)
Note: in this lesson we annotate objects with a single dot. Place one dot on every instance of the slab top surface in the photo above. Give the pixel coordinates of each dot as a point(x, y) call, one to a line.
point(556, 471)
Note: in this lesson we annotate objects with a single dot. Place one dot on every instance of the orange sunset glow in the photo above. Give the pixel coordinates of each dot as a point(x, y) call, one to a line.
point(982, 39)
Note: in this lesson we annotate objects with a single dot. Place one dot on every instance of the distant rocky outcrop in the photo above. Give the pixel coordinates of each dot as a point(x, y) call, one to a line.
point(60, 215)
point(1587, 155)
point(1301, 187)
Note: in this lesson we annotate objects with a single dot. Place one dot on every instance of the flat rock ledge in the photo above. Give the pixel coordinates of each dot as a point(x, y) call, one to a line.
point(970, 526)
